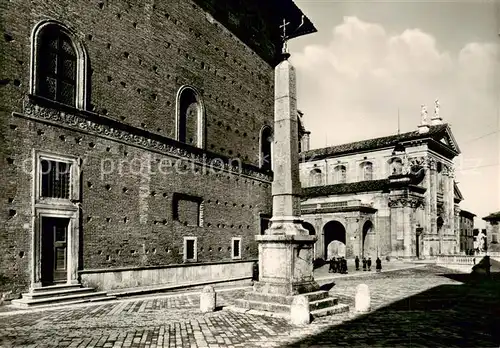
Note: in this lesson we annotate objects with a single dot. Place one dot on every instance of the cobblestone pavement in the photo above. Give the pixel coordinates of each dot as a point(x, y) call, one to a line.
point(427, 306)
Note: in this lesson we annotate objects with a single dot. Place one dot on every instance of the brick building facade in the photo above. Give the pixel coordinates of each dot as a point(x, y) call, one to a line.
point(134, 138)
point(390, 196)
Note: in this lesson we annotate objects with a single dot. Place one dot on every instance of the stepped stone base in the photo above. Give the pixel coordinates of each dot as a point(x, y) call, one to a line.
point(320, 303)
point(49, 296)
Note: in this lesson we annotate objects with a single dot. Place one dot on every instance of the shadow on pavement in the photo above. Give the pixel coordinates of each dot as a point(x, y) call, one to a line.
point(463, 315)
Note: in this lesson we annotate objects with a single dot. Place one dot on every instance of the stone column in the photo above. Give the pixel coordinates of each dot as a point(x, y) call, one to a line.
point(353, 229)
point(286, 248)
point(433, 197)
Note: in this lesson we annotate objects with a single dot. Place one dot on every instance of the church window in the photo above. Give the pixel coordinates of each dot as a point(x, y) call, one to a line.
point(190, 117)
point(396, 166)
point(340, 174)
point(58, 69)
point(266, 140)
point(316, 177)
point(367, 170)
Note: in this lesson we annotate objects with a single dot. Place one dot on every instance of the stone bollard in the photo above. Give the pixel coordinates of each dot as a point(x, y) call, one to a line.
point(362, 298)
point(207, 299)
point(299, 311)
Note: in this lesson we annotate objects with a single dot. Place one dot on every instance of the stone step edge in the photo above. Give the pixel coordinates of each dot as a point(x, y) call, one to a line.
point(60, 293)
point(60, 299)
point(55, 288)
point(65, 303)
point(331, 300)
point(166, 287)
point(281, 306)
point(337, 309)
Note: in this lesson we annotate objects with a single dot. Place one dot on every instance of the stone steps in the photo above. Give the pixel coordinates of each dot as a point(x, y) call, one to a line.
point(337, 309)
point(323, 303)
point(263, 306)
point(60, 295)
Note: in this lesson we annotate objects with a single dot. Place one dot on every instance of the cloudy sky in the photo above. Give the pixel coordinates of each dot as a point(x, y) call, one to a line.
point(371, 58)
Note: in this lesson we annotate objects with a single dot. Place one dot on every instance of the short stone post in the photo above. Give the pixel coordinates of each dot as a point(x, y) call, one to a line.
point(299, 311)
point(362, 298)
point(207, 299)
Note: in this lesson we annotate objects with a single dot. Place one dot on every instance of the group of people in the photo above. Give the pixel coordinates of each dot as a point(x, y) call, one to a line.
point(338, 265)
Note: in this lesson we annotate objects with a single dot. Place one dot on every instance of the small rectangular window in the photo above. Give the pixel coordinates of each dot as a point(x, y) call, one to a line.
point(236, 254)
point(190, 248)
point(56, 179)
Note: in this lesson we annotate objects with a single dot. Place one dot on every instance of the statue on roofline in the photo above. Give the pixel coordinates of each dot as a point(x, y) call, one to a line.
point(423, 113)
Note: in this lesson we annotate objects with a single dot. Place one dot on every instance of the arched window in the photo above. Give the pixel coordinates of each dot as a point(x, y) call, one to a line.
point(396, 166)
point(316, 177)
point(190, 117)
point(266, 140)
point(340, 174)
point(367, 170)
point(59, 65)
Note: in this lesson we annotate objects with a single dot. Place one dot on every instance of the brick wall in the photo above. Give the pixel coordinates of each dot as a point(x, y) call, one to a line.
point(140, 54)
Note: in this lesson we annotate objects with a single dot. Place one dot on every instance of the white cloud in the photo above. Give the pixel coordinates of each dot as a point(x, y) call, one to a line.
point(351, 89)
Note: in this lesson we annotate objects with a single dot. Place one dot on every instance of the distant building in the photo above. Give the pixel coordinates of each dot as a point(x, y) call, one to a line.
point(466, 226)
point(389, 196)
point(493, 231)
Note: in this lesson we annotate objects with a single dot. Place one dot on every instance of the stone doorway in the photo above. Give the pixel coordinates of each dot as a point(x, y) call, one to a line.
point(335, 239)
point(54, 251)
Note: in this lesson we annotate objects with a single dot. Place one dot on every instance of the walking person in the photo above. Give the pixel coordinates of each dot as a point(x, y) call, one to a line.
point(378, 265)
point(356, 262)
point(369, 263)
point(364, 264)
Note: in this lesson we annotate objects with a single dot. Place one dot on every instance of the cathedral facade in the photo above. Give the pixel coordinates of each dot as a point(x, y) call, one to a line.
point(135, 139)
point(391, 196)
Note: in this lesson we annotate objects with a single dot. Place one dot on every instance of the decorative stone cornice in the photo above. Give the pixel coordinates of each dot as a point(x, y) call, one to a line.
point(83, 121)
point(403, 202)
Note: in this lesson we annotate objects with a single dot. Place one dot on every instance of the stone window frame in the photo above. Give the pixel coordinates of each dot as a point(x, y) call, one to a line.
point(74, 188)
point(363, 165)
point(239, 239)
point(195, 249)
point(177, 196)
point(264, 216)
point(200, 132)
point(391, 161)
point(316, 178)
point(82, 61)
point(337, 171)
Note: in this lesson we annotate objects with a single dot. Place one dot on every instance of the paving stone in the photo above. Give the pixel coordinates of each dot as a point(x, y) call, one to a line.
point(427, 306)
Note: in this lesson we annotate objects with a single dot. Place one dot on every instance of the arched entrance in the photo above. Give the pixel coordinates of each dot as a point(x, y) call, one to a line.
point(368, 240)
point(335, 239)
point(309, 227)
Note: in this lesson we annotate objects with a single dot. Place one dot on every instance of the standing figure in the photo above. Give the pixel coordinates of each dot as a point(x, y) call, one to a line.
point(378, 266)
point(356, 262)
point(332, 261)
point(369, 263)
point(345, 265)
point(364, 264)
